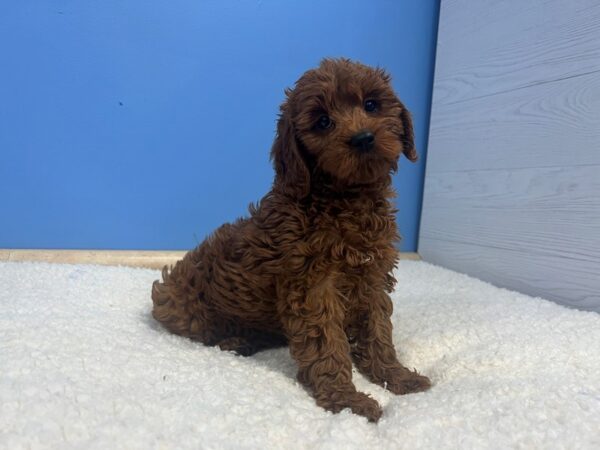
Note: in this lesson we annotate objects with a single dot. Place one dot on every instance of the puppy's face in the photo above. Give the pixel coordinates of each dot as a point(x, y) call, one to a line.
point(349, 123)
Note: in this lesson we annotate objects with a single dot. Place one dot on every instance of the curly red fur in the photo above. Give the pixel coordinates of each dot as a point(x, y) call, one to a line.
point(312, 265)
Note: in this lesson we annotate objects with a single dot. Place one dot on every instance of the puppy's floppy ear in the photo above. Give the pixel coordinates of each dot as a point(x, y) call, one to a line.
point(408, 136)
point(292, 174)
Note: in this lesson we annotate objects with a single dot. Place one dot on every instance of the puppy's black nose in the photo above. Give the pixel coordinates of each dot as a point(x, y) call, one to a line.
point(363, 140)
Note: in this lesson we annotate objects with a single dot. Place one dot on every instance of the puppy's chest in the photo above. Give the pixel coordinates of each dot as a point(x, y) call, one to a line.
point(355, 238)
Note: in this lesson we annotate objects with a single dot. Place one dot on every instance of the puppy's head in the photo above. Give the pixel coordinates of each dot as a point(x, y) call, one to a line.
point(343, 120)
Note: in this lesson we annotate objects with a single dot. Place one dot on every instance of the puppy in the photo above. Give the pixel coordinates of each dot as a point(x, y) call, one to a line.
point(312, 265)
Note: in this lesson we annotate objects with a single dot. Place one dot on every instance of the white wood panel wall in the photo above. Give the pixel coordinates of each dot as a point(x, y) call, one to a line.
point(512, 186)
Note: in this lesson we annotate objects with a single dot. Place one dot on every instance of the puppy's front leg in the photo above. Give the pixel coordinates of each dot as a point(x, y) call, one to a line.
point(374, 353)
point(314, 325)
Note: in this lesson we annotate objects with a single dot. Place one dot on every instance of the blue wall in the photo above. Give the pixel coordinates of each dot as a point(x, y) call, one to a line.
point(145, 125)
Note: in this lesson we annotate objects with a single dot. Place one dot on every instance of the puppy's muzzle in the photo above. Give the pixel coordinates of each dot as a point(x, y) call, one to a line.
point(364, 140)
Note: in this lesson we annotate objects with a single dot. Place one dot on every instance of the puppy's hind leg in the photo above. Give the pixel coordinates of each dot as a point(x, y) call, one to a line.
point(252, 341)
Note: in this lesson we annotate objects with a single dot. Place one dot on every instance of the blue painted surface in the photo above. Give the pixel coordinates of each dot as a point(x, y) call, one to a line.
point(145, 125)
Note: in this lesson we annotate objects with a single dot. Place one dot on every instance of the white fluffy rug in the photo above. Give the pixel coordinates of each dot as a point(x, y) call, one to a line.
point(83, 365)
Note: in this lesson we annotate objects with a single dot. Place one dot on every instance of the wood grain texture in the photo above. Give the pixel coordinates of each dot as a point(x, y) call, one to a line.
point(152, 259)
point(552, 124)
point(133, 258)
point(488, 47)
point(549, 211)
point(512, 187)
point(554, 278)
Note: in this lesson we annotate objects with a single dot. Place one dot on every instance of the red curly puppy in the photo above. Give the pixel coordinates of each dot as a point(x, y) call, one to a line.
point(312, 265)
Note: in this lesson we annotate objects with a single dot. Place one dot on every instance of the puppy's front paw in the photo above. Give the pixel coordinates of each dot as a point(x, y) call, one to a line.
point(358, 402)
point(364, 405)
point(406, 381)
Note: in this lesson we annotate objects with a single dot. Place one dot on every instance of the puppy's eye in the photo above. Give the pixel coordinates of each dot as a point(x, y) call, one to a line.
point(324, 122)
point(370, 105)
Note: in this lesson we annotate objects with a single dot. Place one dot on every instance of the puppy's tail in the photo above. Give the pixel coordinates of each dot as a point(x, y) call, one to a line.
point(160, 294)
point(169, 302)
